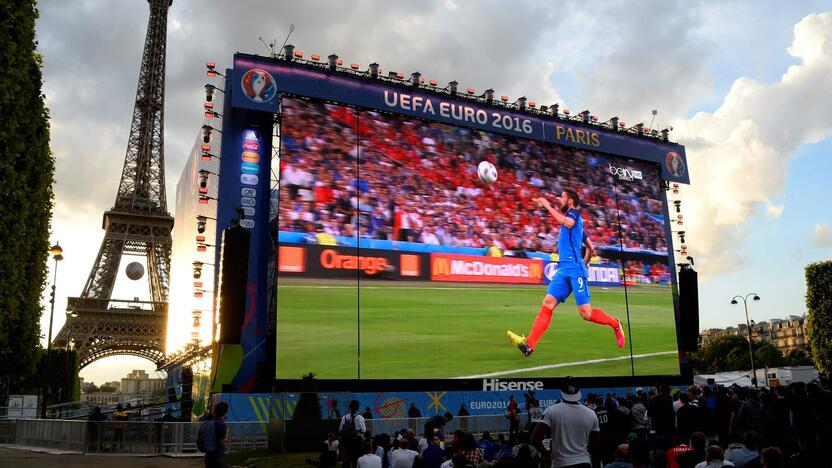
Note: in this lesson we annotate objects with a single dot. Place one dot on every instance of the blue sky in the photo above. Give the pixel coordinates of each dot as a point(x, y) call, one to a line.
point(714, 70)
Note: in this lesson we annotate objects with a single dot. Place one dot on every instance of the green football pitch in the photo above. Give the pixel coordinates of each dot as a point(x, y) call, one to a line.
point(450, 330)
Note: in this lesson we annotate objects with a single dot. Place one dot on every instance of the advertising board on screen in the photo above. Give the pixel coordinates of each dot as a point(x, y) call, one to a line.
point(395, 262)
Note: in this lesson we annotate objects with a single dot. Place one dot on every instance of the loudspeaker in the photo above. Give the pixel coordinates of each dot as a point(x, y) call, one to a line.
point(688, 309)
point(232, 283)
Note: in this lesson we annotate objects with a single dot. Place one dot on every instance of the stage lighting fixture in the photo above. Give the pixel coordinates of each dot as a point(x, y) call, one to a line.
point(554, 109)
point(203, 200)
point(211, 69)
point(432, 83)
point(471, 90)
point(544, 108)
point(614, 123)
point(200, 238)
point(532, 104)
point(639, 129)
point(206, 147)
point(665, 133)
point(678, 204)
point(206, 134)
point(209, 92)
point(521, 103)
point(489, 95)
point(316, 57)
point(452, 87)
point(197, 270)
point(594, 118)
point(288, 52)
point(198, 284)
point(333, 62)
point(203, 178)
point(681, 236)
point(339, 62)
point(504, 98)
point(374, 70)
point(584, 116)
point(415, 79)
point(208, 105)
point(622, 124)
point(298, 54)
point(354, 66)
point(675, 189)
point(200, 224)
point(566, 112)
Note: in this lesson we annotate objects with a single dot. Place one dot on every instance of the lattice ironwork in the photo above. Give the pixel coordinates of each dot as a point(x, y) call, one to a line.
point(138, 224)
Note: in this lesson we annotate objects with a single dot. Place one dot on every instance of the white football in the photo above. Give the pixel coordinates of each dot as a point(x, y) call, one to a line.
point(487, 172)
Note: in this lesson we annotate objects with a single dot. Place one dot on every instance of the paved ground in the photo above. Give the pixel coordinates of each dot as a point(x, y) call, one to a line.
point(10, 457)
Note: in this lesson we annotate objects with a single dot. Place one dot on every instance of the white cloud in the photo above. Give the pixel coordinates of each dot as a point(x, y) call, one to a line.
point(739, 154)
point(822, 236)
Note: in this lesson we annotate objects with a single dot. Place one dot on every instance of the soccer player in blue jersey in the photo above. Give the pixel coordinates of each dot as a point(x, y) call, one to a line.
point(571, 276)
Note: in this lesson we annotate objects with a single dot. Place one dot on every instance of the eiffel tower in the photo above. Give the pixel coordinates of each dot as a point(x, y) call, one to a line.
point(138, 224)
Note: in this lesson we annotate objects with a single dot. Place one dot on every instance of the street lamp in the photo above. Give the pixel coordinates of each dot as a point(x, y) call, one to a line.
point(748, 328)
point(57, 254)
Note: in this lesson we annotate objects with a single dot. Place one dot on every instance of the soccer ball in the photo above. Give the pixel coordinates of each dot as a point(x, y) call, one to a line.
point(487, 172)
point(134, 271)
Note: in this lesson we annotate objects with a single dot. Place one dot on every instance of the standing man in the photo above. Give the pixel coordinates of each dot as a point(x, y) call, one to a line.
point(352, 430)
point(513, 415)
point(574, 430)
point(571, 277)
point(215, 454)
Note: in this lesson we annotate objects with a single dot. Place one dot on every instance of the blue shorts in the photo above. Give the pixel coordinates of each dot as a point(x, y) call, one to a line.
point(567, 281)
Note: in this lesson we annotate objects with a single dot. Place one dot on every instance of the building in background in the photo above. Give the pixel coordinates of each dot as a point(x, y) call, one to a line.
point(785, 334)
point(139, 382)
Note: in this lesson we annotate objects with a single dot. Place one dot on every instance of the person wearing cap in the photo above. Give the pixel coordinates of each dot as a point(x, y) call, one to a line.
point(574, 430)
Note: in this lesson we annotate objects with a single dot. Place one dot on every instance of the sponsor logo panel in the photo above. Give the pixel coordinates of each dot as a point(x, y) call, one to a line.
point(470, 268)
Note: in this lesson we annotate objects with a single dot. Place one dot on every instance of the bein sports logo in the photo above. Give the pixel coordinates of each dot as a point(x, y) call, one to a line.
point(259, 85)
point(625, 173)
point(674, 163)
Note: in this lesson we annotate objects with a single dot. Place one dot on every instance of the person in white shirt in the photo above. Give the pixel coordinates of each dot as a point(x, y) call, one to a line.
point(574, 429)
point(403, 457)
point(369, 459)
point(352, 422)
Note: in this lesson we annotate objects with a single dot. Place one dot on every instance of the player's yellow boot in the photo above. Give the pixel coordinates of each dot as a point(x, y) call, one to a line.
point(519, 341)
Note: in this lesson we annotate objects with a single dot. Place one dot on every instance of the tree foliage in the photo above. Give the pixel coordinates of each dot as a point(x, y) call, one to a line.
point(730, 353)
point(819, 304)
point(309, 403)
point(26, 174)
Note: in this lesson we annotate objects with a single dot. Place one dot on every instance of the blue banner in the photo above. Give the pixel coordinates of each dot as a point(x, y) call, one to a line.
point(599, 275)
point(257, 83)
point(389, 405)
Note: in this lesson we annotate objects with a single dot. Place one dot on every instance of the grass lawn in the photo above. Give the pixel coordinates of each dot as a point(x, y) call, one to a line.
point(449, 330)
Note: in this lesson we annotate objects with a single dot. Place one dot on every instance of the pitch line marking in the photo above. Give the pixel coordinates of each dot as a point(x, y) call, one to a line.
point(563, 364)
point(433, 288)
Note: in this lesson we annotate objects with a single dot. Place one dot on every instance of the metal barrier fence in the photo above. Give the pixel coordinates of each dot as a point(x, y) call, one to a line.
point(135, 437)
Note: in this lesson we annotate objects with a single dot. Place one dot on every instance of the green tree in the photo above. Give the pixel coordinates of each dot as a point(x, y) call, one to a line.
point(767, 355)
point(730, 353)
point(309, 404)
point(798, 357)
point(26, 173)
point(819, 303)
point(106, 389)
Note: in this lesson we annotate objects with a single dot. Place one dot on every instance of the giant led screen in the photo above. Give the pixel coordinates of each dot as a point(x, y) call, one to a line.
point(396, 262)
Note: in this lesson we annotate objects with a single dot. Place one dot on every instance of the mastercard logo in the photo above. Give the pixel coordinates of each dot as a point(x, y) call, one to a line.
point(248, 156)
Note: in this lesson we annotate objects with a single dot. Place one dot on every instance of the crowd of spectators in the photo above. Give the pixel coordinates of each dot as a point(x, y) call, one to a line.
point(360, 173)
point(700, 427)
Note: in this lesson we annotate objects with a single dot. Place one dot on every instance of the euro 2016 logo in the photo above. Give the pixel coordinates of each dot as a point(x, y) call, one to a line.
point(675, 164)
point(259, 85)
